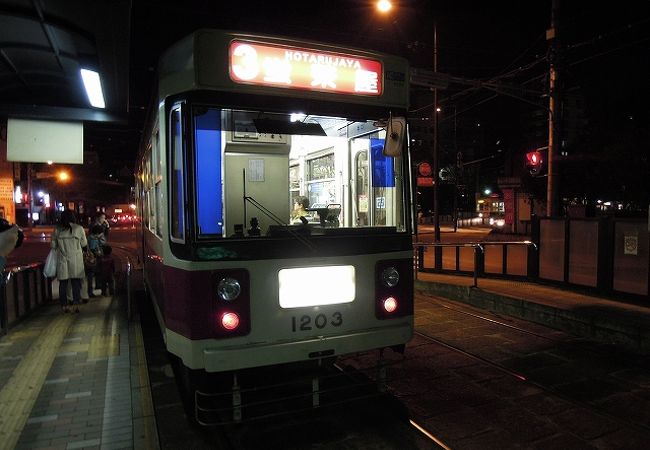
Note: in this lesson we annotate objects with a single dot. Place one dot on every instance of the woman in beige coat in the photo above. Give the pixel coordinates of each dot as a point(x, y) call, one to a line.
point(69, 239)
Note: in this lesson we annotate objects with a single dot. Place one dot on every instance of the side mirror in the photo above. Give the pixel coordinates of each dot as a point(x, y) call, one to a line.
point(395, 131)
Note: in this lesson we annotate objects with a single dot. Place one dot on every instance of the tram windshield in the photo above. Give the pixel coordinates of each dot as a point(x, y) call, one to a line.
point(260, 173)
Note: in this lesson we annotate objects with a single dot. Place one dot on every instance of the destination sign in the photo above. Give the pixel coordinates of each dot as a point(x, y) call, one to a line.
point(306, 69)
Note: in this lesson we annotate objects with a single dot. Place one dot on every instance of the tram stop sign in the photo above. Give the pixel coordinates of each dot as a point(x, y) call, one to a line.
point(425, 172)
point(425, 169)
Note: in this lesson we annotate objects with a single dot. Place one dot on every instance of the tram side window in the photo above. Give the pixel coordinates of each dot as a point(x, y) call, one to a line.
point(321, 186)
point(176, 194)
point(294, 184)
point(151, 202)
point(157, 170)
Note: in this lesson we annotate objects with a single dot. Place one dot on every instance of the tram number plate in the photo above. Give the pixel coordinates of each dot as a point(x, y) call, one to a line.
point(320, 321)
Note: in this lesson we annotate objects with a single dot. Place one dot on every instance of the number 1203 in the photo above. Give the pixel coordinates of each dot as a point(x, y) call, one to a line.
point(306, 323)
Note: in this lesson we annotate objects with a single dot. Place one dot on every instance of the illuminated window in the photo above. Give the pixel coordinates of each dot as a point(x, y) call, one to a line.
point(177, 177)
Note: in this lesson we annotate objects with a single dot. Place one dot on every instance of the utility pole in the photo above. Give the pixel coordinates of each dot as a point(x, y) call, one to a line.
point(553, 113)
point(30, 199)
point(436, 212)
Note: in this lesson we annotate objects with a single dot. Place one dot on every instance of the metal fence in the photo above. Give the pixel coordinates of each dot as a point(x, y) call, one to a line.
point(514, 259)
point(22, 290)
point(609, 255)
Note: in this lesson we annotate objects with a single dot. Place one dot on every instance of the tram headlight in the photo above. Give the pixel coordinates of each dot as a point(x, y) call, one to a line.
point(390, 277)
point(228, 289)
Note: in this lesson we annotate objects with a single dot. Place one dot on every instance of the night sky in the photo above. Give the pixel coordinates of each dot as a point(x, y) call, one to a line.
point(604, 61)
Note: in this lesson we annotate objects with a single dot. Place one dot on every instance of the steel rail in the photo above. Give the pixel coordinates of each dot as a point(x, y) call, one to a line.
point(487, 319)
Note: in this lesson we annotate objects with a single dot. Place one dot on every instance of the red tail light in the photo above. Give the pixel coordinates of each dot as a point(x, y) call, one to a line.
point(230, 321)
point(390, 304)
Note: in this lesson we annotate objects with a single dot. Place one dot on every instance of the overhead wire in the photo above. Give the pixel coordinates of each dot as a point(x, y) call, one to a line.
point(502, 75)
point(601, 37)
point(515, 72)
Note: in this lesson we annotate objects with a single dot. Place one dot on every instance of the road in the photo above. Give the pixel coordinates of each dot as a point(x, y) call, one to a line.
point(36, 245)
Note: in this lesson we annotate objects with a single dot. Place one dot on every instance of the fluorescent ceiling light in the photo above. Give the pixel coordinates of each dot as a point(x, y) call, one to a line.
point(93, 87)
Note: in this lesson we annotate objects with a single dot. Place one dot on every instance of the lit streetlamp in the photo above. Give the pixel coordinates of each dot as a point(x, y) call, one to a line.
point(384, 6)
point(63, 176)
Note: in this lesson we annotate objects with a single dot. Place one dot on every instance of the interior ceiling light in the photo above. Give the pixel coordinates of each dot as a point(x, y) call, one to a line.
point(93, 86)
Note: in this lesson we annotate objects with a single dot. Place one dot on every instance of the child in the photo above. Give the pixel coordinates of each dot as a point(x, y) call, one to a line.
point(105, 271)
point(96, 241)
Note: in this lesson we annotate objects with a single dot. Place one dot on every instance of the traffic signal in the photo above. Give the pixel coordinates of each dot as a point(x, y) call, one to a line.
point(534, 162)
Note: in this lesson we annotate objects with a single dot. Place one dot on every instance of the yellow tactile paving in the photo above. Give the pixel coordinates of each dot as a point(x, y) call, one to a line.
point(21, 391)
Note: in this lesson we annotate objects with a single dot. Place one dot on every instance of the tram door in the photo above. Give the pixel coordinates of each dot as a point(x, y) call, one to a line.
point(373, 180)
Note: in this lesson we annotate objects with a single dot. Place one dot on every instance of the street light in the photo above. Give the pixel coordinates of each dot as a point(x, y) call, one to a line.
point(384, 6)
point(63, 176)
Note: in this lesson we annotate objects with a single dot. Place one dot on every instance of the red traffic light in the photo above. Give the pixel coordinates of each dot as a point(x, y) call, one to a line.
point(534, 162)
point(534, 158)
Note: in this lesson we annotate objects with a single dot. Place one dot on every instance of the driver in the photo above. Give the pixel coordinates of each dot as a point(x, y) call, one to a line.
point(300, 206)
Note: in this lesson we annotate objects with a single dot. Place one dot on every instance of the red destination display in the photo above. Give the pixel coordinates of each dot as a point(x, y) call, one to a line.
point(306, 69)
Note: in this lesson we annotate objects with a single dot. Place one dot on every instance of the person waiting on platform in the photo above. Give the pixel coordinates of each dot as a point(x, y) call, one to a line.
point(95, 243)
point(8, 239)
point(106, 271)
point(101, 221)
point(69, 240)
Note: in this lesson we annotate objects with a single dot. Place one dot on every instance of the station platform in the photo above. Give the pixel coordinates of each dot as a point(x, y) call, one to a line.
point(608, 320)
point(72, 381)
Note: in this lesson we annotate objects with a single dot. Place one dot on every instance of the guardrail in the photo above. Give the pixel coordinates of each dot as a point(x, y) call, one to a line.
point(128, 284)
point(498, 258)
point(22, 290)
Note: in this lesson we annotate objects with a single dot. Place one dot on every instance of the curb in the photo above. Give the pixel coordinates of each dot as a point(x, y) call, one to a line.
point(602, 324)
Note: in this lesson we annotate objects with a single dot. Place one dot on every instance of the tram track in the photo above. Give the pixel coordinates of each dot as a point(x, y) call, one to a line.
point(488, 319)
point(522, 377)
point(597, 352)
point(372, 423)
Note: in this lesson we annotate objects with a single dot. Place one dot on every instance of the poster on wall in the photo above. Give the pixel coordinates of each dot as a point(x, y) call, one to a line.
point(631, 244)
point(509, 205)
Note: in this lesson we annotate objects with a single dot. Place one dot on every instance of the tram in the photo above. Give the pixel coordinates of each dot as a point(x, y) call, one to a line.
point(274, 201)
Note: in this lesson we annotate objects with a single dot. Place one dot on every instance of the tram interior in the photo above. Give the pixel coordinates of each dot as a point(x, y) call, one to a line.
point(303, 172)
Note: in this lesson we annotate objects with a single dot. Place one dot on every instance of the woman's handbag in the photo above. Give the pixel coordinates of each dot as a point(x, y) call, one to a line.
point(49, 270)
point(90, 261)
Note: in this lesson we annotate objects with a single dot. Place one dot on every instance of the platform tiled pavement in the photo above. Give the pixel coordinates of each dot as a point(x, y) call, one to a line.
point(71, 381)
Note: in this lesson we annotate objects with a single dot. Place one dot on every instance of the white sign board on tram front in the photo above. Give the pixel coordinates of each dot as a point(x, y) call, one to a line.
point(304, 69)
